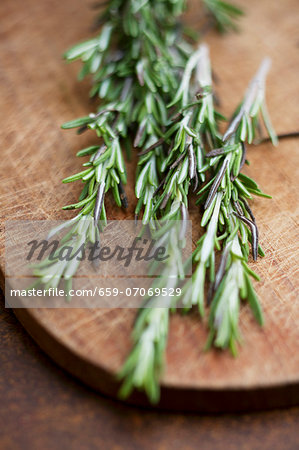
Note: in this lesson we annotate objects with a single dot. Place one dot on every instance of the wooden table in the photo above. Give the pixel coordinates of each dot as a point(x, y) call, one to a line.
point(39, 92)
point(42, 407)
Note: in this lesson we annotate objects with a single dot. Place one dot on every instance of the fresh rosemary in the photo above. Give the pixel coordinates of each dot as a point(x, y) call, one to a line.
point(135, 62)
point(226, 211)
point(156, 88)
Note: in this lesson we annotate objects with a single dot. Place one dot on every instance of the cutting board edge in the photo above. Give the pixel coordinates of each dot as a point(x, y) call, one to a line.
point(173, 398)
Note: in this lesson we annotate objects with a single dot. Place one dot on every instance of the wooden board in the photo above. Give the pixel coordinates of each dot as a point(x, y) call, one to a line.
point(38, 92)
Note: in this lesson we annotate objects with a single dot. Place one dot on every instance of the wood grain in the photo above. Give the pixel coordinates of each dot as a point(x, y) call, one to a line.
point(38, 92)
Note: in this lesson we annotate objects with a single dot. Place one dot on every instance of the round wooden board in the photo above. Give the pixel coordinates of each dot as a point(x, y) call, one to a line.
point(38, 92)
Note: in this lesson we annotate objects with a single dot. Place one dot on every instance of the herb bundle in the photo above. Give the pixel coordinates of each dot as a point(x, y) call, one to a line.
point(155, 87)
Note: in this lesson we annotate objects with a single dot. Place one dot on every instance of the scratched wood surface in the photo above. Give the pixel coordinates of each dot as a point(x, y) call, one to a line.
point(38, 92)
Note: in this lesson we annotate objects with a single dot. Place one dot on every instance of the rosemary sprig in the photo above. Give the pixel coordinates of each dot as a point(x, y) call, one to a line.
point(105, 171)
point(233, 215)
point(232, 284)
point(134, 63)
point(180, 168)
